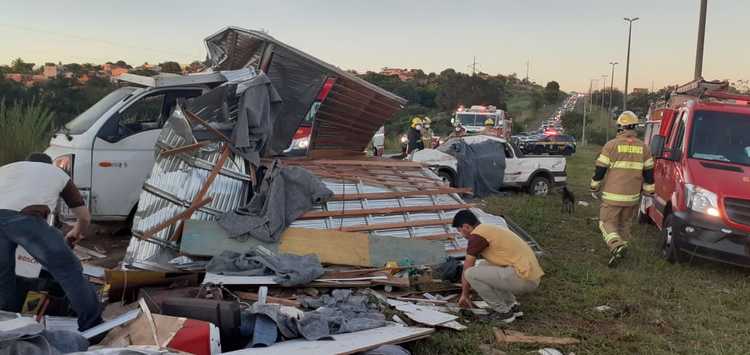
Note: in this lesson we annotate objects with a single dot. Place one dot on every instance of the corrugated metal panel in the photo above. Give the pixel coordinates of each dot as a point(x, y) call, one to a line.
point(171, 188)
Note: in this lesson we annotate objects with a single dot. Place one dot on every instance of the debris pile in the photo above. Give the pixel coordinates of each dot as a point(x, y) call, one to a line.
point(238, 246)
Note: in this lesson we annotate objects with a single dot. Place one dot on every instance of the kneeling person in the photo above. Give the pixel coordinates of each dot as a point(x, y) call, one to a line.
point(509, 267)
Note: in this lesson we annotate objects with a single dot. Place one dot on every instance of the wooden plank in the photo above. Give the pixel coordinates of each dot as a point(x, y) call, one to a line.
point(398, 194)
point(510, 336)
point(204, 189)
point(333, 247)
point(382, 211)
point(332, 153)
point(384, 163)
point(269, 299)
point(349, 343)
point(184, 149)
point(444, 236)
point(385, 226)
point(179, 217)
point(202, 122)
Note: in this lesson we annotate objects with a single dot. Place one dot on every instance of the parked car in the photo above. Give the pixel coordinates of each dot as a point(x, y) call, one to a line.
point(538, 175)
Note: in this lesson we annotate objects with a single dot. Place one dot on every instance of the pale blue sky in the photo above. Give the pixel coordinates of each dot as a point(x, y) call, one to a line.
point(570, 41)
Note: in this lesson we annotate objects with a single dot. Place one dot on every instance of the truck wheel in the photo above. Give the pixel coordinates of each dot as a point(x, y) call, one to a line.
point(539, 186)
point(447, 177)
point(669, 250)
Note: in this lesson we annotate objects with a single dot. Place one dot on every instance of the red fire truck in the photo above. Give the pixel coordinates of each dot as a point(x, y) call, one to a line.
point(700, 139)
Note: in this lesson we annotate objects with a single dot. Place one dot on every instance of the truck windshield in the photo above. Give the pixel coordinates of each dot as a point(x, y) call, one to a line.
point(85, 120)
point(474, 119)
point(721, 136)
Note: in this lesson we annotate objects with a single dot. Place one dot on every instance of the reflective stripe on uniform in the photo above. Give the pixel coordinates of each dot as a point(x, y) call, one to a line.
point(630, 149)
point(649, 187)
point(620, 198)
point(649, 164)
point(608, 237)
point(595, 184)
point(634, 165)
point(604, 160)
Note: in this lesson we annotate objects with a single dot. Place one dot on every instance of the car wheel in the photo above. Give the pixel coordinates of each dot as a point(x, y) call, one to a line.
point(447, 177)
point(539, 186)
point(669, 250)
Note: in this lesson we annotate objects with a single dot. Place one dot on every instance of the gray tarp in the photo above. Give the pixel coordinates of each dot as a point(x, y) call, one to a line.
point(481, 166)
point(284, 194)
point(290, 270)
point(24, 336)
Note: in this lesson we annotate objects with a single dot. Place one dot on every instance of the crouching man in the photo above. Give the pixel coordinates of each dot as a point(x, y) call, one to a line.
point(509, 267)
point(30, 191)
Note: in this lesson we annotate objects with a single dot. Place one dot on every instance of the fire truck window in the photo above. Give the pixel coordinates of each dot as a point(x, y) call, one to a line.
point(679, 136)
point(671, 133)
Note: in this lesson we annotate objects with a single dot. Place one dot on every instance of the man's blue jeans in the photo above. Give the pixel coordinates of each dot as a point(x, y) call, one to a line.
point(47, 245)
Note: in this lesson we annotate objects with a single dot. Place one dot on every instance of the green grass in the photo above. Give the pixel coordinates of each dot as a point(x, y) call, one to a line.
point(25, 128)
point(659, 308)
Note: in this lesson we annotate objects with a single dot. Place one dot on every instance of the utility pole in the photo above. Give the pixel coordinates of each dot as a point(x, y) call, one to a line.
point(627, 63)
point(528, 63)
point(701, 39)
point(474, 66)
point(611, 93)
point(583, 133)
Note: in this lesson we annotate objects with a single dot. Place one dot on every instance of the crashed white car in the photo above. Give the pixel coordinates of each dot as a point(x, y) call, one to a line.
point(536, 174)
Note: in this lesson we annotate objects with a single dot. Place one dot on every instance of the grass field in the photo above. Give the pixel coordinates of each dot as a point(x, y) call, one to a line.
point(698, 307)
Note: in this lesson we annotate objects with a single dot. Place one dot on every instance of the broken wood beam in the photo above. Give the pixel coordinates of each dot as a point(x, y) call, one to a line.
point(251, 296)
point(202, 122)
point(444, 236)
point(398, 194)
point(383, 211)
point(179, 217)
point(400, 225)
point(510, 336)
point(204, 189)
point(184, 148)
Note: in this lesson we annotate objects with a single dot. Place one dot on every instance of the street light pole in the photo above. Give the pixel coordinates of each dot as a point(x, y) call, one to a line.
point(611, 93)
point(701, 39)
point(627, 63)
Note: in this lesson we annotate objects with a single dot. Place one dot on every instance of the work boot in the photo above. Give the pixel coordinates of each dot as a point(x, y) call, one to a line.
point(516, 309)
point(617, 254)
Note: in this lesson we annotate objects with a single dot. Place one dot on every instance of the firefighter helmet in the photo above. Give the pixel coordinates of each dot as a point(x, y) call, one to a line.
point(489, 122)
point(627, 118)
point(416, 121)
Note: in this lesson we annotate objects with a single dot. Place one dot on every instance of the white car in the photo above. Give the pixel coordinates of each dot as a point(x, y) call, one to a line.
point(537, 174)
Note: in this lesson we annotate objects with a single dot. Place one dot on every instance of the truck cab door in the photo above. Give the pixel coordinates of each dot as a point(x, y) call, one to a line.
point(123, 152)
point(513, 169)
point(665, 171)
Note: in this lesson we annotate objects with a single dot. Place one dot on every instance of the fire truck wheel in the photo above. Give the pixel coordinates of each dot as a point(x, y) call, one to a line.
point(669, 250)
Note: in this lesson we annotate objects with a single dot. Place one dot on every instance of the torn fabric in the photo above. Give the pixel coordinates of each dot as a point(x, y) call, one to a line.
point(290, 270)
point(284, 194)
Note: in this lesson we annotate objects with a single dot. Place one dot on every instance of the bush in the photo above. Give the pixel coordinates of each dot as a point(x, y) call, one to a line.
point(26, 128)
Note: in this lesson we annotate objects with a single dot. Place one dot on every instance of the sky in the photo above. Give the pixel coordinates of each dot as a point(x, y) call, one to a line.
point(569, 41)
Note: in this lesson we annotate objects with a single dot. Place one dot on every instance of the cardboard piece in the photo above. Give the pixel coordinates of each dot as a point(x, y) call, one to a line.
point(511, 336)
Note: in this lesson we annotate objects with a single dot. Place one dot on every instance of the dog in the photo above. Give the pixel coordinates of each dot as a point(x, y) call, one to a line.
point(568, 200)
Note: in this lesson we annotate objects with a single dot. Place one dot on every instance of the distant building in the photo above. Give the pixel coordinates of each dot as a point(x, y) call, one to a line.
point(640, 91)
point(403, 74)
point(51, 70)
point(117, 71)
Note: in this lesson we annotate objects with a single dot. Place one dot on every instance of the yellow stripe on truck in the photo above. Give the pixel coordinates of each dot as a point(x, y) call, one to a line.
point(620, 198)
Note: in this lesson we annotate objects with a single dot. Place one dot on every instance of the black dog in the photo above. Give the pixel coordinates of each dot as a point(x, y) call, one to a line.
point(568, 200)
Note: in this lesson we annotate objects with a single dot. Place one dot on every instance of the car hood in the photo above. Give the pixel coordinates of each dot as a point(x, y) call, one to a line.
point(728, 180)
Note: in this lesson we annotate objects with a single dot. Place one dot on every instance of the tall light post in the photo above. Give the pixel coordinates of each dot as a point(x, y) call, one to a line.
point(611, 93)
point(701, 39)
point(627, 63)
point(589, 99)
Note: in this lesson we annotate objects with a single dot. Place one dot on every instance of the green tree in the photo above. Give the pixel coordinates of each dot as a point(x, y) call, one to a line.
point(122, 64)
point(21, 67)
point(552, 92)
point(171, 67)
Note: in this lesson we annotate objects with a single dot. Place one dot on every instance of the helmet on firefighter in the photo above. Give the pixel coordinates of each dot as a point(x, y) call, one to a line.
point(627, 120)
point(489, 122)
point(416, 121)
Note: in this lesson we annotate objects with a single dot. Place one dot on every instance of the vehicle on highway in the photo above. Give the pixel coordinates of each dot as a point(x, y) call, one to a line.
point(473, 120)
point(536, 174)
point(552, 143)
point(700, 140)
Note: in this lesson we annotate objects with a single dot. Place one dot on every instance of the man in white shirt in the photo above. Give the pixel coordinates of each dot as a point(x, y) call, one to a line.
point(30, 191)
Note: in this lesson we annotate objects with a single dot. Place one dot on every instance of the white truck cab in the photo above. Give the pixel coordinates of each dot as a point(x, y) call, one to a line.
point(108, 150)
point(537, 174)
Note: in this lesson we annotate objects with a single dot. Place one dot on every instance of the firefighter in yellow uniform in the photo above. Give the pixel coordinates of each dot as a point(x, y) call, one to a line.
point(624, 169)
point(489, 128)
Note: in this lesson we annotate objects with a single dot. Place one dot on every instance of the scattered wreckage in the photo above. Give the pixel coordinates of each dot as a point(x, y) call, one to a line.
point(236, 245)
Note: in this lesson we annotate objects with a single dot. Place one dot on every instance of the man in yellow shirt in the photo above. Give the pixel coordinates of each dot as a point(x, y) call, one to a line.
point(509, 267)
